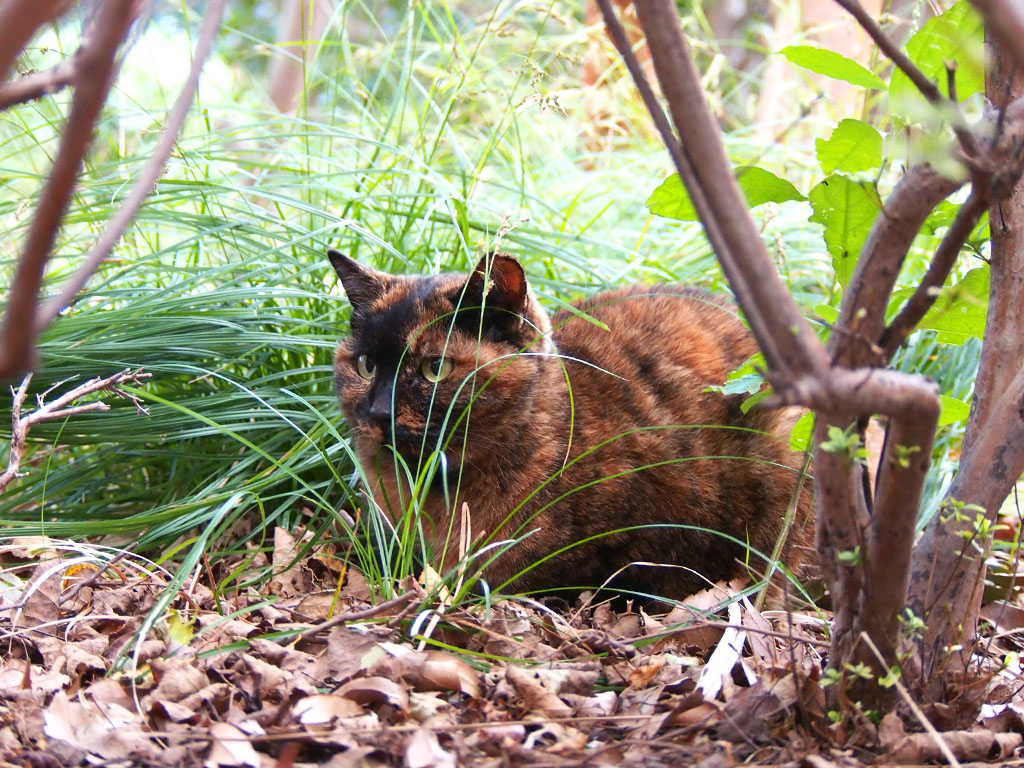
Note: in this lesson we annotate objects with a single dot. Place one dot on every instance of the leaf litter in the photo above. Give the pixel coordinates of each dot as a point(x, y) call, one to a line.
point(312, 672)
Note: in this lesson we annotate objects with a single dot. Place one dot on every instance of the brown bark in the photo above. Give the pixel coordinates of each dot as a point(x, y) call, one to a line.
point(19, 20)
point(38, 84)
point(97, 65)
point(117, 226)
point(801, 371)
point(949, 563)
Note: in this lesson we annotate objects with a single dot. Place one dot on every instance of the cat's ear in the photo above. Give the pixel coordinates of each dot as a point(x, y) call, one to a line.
point(504, 281)
point(362, 284)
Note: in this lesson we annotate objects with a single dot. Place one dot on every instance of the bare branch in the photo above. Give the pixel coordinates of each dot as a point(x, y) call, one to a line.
point(97, 67)
point(19, 20)
point(117, 226)
point(927, 87)
point(895, 54)
point(58, 409)
point(942, 263)
point(780, 329)
point(949, 561)
point(863, 312)
point(39, 84)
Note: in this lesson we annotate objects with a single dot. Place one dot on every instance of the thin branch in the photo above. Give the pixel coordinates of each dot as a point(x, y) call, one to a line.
point(58, 409)
point(19, 20)
point(862, 318)
point(117, 226)
point(344, 618)
point(97, 67)
point(894, 53)
point(39, 84)
point(921, 81)
point(942, 264)
point(784, 335)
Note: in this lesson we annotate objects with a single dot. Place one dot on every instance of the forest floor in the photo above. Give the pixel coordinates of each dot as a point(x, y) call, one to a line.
point(250, 681)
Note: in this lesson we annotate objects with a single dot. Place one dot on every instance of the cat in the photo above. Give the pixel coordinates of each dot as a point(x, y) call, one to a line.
point(585, 432)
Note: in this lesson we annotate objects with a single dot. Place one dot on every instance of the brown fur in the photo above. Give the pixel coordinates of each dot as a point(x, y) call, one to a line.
point(525, 435)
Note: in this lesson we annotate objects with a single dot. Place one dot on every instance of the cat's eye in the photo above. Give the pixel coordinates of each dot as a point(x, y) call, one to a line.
point(365, 366)
point(435, 369)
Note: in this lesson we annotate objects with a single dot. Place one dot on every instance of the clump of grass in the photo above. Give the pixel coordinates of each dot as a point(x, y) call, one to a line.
point(424, 136)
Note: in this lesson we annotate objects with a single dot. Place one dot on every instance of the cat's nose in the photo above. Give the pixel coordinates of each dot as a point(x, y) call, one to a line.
point(380, 407)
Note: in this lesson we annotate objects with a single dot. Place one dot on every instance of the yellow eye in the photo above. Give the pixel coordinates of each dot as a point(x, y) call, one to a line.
point(435, 369)
point(365, 366)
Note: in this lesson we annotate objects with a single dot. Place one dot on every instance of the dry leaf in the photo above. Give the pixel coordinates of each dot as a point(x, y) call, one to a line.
point(424, 751)
point(230, 747)
point(375, 690)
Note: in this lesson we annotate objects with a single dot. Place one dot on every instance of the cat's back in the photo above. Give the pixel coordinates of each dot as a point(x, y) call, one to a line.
point(666, 336)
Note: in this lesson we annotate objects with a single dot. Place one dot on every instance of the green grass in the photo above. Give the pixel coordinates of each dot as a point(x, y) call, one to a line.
point(425, 135)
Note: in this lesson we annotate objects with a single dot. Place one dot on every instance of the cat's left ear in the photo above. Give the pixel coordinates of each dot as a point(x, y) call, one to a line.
point(504, 281)
point(362, 284)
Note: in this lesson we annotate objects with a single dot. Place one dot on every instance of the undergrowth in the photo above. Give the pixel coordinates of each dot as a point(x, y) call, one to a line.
point(425, 134)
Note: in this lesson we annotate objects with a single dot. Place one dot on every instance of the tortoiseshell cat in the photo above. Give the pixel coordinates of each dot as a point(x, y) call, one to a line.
point(426, 351)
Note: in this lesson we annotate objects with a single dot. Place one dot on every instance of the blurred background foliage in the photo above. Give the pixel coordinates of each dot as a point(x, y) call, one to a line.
point(413, 136)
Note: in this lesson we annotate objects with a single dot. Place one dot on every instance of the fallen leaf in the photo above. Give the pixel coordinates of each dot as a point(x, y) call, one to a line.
point(230, 747)
point(375, 690)
point(424, 751)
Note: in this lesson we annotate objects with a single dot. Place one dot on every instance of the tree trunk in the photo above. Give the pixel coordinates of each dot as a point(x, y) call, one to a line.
point(949, 562)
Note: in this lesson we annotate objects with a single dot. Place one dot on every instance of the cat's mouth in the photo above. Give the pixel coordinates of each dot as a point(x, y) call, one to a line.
point(410, 443)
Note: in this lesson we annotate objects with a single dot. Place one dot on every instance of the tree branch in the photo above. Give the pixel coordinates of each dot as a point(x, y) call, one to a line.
point(19, 20)
point(927, 87)
point(97, 67)
point(39, 84)
point(894, 53)
point(117, 226)
point(780, 329)
point(949, 561)
point(58, 409)
point(942, 263)
point(862, 317)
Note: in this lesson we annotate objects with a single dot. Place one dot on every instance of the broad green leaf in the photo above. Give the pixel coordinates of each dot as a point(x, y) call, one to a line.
point(847, 209)
point(832, 64)
point(955, 36)
point(745, 380)
point(759, 186)
point(959, 313)
point(854, 146)
point(800, 437)
point(826, 312)
point(952, 410)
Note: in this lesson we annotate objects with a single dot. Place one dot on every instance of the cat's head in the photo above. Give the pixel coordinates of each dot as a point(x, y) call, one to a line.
point(425, 352)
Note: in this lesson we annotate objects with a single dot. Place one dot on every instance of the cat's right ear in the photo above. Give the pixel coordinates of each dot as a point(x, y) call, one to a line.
point(362, 285)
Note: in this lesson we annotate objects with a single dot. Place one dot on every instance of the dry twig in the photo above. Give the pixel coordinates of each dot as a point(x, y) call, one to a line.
point(58, 409)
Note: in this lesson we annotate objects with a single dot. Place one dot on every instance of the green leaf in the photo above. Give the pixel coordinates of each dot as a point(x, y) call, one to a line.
point(745, 380)
point(759, 186)
point(827, 312)
point(800, 437)
point(754, 399)
point(955, 36)
point(854, 146)
point(847, 209)
point(952, 410)
point(832, 64)
point(959, 313)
